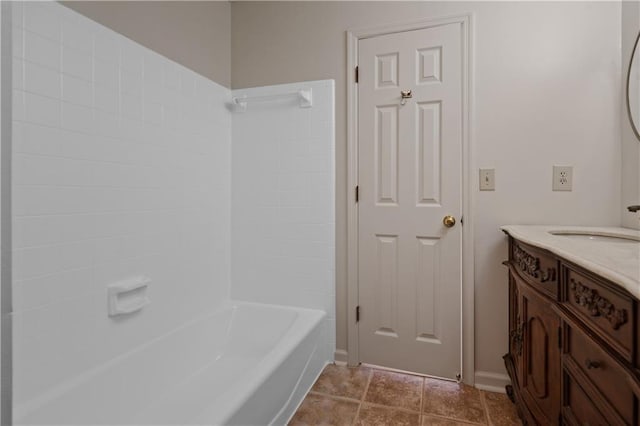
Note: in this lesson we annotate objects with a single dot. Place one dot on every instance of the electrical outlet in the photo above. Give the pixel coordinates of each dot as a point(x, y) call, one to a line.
point(487, 180)
point(562, 178)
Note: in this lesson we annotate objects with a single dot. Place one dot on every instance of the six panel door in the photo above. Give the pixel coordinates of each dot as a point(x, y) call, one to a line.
point(410, 172)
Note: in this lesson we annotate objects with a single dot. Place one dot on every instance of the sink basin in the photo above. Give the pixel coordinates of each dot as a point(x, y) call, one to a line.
point(597, 237)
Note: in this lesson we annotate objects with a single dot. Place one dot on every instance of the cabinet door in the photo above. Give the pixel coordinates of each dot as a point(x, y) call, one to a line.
point(541, 357)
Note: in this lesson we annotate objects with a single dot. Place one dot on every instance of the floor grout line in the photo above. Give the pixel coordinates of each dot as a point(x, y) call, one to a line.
point(338, 397)
point(485, 407)
point(366, 389)
point(486, 420)
point(424, 383)
point(453, 419)
point(393, 407)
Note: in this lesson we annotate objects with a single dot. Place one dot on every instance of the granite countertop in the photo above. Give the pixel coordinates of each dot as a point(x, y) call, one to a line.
point(617, 261)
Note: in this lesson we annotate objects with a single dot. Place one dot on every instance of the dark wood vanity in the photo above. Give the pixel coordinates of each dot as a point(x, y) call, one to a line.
point(573, 342)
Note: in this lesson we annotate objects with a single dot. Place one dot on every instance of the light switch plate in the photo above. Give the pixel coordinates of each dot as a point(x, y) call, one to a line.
point(487, 180)
point(562, 178)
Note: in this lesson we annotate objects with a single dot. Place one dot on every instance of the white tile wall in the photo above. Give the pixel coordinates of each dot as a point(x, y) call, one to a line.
point(283, 212)
point(121, 167)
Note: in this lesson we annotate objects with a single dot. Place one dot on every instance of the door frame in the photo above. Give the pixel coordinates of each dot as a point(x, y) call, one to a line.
point(469, 181)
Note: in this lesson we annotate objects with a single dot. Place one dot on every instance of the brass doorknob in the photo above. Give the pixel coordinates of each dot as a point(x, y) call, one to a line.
point(449, 221)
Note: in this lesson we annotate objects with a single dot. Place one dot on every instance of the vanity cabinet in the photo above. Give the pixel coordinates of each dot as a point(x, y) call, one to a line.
point(573, 342)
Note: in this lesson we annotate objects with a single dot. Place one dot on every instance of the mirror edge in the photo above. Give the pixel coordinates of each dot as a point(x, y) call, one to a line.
point(633, 56)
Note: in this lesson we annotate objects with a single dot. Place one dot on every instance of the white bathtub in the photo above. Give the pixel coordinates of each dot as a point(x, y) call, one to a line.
point(245, 364)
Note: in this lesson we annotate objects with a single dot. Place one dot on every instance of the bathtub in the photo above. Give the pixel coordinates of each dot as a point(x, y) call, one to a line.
point(244, 364)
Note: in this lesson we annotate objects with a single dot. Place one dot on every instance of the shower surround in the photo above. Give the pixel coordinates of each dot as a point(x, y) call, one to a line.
point(282, 201)
point(122, 168)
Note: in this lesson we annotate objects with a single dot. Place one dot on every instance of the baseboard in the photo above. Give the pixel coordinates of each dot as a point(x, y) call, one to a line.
point(492, 382)
point(340, 357)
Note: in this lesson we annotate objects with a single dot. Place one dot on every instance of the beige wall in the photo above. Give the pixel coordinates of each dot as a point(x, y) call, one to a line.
point(195, 34)
point(630, 144)
point(547, 91)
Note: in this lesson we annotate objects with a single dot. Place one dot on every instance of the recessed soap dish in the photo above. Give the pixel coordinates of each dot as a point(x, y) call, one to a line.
point(128, 296)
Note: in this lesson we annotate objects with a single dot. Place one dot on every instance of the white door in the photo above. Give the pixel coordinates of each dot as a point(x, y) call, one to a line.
point(410, 178)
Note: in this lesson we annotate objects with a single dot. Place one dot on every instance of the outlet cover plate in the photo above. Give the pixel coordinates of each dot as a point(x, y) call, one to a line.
point(487, 180)
point(562, 178)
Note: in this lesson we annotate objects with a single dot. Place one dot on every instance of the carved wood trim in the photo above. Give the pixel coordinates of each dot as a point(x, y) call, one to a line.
point(597, 305)
point(531, 265)
point(517, 336)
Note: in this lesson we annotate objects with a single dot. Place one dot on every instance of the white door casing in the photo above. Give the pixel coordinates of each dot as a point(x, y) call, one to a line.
point(410, 177)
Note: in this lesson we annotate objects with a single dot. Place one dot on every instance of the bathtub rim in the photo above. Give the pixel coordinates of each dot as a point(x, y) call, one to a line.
point(29, 407)
point(297, 332)
point(226, 405)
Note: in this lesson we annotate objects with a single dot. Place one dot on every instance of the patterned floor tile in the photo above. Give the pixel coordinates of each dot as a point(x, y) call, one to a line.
point(342, 381)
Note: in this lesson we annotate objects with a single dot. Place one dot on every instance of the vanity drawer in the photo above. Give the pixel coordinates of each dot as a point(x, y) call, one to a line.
point(603, 371)
point(536, 267)
point(601, 306)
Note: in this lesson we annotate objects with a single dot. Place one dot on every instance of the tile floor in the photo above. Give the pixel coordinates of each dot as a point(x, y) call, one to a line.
point(367, 396)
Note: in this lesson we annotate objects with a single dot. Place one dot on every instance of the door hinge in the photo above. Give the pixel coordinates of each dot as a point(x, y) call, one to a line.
point(357, 313)
point(357, 74)
point(357, 193)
